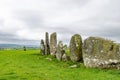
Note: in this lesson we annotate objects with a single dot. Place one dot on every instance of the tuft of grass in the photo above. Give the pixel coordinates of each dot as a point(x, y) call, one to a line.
point(67, 52)
point(31, 65)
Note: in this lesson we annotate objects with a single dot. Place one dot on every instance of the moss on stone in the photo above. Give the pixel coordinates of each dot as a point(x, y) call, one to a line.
point(101, 49)
point(76, 47)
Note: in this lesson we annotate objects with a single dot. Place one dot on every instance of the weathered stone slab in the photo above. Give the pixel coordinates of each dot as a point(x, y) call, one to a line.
point(76, 48)
point(42, 47)
point(47, 47)
point(60, 51)
point(101, 53)
point(53, 44)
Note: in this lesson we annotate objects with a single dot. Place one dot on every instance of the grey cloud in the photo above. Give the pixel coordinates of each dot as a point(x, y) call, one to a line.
point(74, 3)
point(112, 31)
point(1, 22)
point(30, 17)
point(103, 20)
point(11, 38)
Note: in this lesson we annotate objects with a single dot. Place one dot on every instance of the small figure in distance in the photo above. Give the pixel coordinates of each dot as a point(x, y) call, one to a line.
point(24, 48)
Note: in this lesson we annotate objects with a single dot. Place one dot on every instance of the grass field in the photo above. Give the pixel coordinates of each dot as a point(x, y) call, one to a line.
point(30, 65)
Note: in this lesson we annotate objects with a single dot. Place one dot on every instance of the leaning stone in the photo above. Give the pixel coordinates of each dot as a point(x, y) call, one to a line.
point(42, 47)
point(60, 51)
point(47, 47)
point(101, 53)
point(53, 44)
point(76, 48)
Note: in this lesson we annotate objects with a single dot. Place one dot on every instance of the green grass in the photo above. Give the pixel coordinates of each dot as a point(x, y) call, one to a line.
point(30, 65)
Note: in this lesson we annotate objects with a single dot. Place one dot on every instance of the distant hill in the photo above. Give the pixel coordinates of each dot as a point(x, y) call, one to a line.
point(16, 46)
point(9, 45)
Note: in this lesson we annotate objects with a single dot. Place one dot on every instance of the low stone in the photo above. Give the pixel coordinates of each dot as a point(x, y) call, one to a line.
point(65, 57)
point(74, 66)
point(49, 59)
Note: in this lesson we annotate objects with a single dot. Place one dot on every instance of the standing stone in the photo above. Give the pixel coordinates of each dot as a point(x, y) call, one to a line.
point(53, 44)
point(42, 47)
point(101, 53)
point(47, 48)
point(76, 48)
point(60, 51)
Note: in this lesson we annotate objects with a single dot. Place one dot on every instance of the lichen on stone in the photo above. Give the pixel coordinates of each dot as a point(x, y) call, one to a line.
point(76, 48)
point(97, 52)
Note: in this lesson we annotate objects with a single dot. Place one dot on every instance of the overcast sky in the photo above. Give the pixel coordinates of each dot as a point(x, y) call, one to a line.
point(26, 21)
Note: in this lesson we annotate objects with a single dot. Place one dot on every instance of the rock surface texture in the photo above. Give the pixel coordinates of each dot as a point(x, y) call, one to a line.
point(47, 47)
point(76, 48)
point(42, 47)
point(53, 44)
point(60, 51)
point(101, 53)
point(65, 57)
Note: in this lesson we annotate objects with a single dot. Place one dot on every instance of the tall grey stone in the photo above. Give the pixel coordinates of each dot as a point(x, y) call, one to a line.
point(47, 47)
point(101, 53)
point(53, 44)
point(60, 51)
point(42, 47)
point(76, 48)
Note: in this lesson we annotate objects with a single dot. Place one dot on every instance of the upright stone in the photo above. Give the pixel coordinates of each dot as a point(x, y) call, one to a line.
point(101, 53)
point(60, 51)
point(53, 44)
point(42, 47)
point(47, 47)
point(76, 48)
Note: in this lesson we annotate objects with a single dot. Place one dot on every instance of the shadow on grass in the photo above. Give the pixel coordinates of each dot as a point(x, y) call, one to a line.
point(116, 72)
point(10, 73)
point(11, 76)
point(3, 79)
point(37, 54)
point(23, 79)
point(7, 63)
